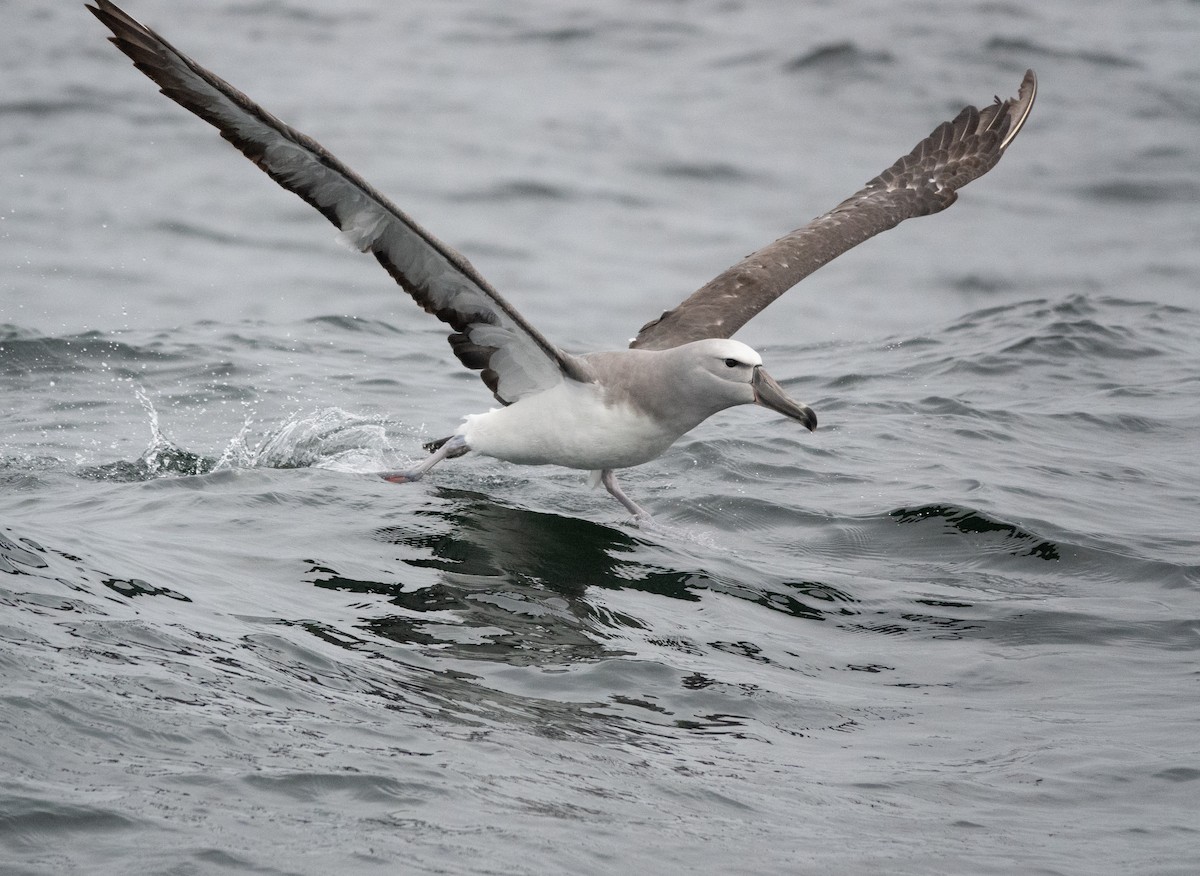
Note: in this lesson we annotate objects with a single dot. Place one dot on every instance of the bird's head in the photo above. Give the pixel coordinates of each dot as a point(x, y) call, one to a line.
point(733, 374)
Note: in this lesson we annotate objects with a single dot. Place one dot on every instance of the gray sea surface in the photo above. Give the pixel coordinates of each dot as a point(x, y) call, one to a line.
point(955, 630)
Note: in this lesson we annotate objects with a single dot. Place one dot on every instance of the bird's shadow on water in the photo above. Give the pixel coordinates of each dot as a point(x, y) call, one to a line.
point(565, 554)
point(511, 619)
point(510, 584)
point(515, 582)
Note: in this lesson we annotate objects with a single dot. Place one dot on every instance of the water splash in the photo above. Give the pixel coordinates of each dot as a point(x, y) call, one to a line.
point(330, 438)
point(161, 458)
point(237, 453)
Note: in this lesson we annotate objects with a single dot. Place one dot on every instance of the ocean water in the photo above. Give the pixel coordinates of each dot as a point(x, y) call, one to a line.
point(955, 630)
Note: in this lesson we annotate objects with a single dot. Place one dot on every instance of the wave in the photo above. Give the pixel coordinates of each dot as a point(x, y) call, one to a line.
point(25, 352)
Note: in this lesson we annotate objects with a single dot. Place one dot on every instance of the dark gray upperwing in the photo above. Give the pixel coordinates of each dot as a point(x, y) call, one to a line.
point(924, 181)
point(489, 335)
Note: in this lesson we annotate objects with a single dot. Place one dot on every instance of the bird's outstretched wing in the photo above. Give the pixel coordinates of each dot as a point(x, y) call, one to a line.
point(924, 181)
point(489, 334)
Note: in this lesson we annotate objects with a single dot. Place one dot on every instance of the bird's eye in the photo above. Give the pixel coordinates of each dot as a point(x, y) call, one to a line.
point(732, 363)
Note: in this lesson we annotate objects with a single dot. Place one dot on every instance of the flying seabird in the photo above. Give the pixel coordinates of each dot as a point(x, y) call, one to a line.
point(594, 411)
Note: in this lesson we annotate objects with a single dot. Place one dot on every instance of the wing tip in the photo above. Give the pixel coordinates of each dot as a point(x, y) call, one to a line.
point(111, 15)
point(1019, 107)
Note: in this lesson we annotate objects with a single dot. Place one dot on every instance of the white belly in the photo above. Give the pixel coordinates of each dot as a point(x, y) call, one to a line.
point(568, 425)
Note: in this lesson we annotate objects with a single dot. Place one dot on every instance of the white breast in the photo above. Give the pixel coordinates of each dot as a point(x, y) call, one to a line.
point(568, 425)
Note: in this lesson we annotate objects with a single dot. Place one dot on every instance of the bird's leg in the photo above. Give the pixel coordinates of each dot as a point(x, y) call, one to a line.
point(456, 446)
point(610, 483)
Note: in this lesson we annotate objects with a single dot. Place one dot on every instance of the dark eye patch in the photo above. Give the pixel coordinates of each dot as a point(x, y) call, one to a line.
point(732, 363)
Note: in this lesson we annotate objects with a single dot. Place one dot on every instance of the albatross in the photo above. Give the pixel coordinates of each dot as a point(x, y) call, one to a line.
point(600, 411)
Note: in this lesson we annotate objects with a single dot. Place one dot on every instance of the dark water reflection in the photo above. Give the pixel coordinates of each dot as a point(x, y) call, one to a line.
point(516, 582)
